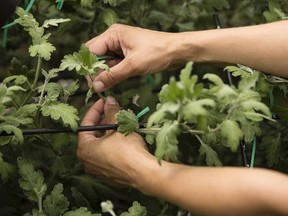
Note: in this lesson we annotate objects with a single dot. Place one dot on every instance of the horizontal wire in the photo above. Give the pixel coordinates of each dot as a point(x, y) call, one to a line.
point(34, 131)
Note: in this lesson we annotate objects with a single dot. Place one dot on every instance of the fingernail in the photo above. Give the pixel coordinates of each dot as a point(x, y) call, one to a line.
point(111, 100)
point(98, 86)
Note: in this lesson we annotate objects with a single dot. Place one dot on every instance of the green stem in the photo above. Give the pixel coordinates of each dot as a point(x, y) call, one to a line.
point(40, 204)
point(99, 93)
point(155, 130)
point(39, 63)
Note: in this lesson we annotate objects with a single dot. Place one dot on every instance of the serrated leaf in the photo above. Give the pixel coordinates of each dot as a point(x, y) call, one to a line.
point(16, 79)
point(166, 142)
point(109, 16)
point(56, 203)
point(31, 182)
point(135, 210)
point(54, 22)
point(127, 121)
point(214, 79)
point(16, 132)
point(251, 105)
point(80, 212)
point(17, 68)
point(112, 2)
point(165, 109)
point(211, 156)
point(6, 169)
point(71, 88)
point(230, 130)
point(44, 50)
point(84, 62)
point(60, 111)
point(89, 94)
point(28, 110)
point(196, 108)
point(79, 198)
point(273, 149)
point(86, 3)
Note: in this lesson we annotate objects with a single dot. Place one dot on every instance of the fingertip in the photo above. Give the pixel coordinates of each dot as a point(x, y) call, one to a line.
point(110, 109)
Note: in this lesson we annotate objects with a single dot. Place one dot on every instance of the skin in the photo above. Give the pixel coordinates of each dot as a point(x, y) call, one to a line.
point(263, 47)
point(125, 161)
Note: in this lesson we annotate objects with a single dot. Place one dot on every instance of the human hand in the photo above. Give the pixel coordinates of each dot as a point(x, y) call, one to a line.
point(142, 51)
point(114, 158)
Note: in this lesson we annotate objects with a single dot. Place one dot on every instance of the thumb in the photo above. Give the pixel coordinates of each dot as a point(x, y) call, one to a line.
point(111, 107)
point(116, 74)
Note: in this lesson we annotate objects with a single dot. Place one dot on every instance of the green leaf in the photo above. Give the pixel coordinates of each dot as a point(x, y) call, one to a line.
point(166, 142)
point(211, 156)
point(28, 110)
point(127, 121)
point(44, 50)
point(136, 210)
point(109, 16)
point(84, 62)
point(56, 203)
point(54, 22)
point(17, 68)
point(197, 108)
point(112, 2)
point(7, 170)
point(80, 212)
point(252, 105)
point(65, 112)
point(79, 198)
point(165, 109)
point(71, 88)
point(273, 149)
point(16, 79)
point(214, 79)
point(230, 130)
point(86, 3)
point(10, 129)
point(89, 94)
point(31, 182)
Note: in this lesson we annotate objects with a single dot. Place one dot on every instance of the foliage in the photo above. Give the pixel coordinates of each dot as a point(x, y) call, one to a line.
point(199, 119)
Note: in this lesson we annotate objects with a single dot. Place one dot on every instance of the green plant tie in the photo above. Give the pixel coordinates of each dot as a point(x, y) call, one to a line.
point(151, 79)
point(104, 57)
point(28, 8)
point(60, 4)
point(253, 153)
point(143, 112)
point(5, 33)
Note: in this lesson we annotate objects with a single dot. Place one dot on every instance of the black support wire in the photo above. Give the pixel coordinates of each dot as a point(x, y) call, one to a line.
point(34, 131)
point(243, 149)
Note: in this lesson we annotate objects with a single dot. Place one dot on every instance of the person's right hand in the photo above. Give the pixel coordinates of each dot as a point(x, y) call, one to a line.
point(141, 51)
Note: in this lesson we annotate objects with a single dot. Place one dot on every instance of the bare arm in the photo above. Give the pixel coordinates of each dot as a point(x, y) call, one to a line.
point(263, 47)
point(124, 160)
point(219, 191)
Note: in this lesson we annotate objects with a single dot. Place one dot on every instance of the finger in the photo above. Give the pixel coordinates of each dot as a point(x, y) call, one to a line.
point(106, 80)
point(92, 117)
point(111, 107)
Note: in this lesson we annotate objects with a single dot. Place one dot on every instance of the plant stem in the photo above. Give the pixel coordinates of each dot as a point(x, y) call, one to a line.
point(155, 130)
point(38, 68)
point(39, 63)
point(99, 93)
point(40, 204)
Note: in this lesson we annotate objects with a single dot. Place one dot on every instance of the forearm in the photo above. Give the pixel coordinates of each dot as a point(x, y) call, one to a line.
point(263, 47)
point(219, 191)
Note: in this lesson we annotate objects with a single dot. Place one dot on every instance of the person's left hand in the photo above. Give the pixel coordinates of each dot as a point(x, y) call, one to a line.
point(114, 158)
